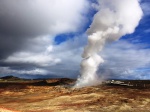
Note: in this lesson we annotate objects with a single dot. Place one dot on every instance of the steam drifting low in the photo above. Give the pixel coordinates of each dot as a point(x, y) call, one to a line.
point(114, 19)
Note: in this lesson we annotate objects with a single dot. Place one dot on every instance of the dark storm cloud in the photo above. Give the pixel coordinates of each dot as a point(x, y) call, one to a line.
point(10, 44)
point(27, 30)
point(23, 20)
point(18, 22)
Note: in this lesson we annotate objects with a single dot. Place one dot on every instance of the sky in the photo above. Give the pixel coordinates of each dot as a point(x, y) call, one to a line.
point(45, 38)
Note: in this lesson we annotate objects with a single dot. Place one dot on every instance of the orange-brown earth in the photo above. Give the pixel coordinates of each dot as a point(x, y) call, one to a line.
point(53, 96)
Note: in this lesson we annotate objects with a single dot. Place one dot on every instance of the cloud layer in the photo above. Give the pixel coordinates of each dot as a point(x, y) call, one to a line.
point(27, 47)
point(21, 22)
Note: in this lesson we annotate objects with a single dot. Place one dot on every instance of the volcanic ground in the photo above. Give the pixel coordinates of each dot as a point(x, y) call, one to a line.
point(57, 95)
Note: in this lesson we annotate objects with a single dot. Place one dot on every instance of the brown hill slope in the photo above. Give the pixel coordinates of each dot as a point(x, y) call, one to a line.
point(53, 96)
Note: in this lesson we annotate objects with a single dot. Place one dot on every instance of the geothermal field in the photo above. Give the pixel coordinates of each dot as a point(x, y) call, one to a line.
point(57, 95)
point(100, 44)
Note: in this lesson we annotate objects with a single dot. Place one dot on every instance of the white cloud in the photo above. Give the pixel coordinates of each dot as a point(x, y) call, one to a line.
point(40, 59)
point(124, 59)
point(8, 71)
point(145, 8)
point(38, 53)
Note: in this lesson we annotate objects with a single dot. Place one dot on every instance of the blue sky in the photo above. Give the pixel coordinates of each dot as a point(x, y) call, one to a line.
point(139, 37)
point(52, 44)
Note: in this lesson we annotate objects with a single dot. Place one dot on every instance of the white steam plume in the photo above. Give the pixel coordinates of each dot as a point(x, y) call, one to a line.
point(114, 19)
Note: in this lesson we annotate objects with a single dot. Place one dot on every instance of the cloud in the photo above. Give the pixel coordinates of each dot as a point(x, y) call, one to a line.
point(27, 35)
point(37, 17)
point(7, 70)
point(22, 21)
point(145, 7)
point(125, 60)
point(48, 59)
point(27, 32)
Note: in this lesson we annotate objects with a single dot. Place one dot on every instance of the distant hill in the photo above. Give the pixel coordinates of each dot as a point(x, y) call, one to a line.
point(10, 78)
point(29, 77)
point(39, 77)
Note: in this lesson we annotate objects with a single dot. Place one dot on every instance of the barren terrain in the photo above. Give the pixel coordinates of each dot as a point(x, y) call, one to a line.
point(56, 95)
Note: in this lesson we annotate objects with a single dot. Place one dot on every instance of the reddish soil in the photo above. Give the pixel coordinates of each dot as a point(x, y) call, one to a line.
point(53, 96)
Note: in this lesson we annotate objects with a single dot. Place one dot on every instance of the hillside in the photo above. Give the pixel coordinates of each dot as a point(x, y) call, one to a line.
point(55, 95)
